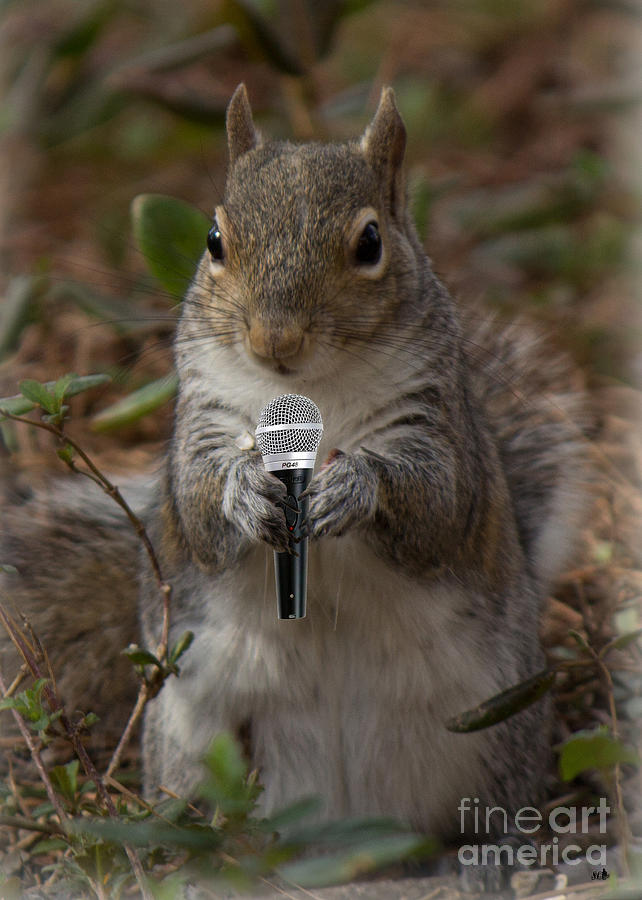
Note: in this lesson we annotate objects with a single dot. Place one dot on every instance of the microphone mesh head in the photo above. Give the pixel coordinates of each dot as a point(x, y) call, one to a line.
point(281, 426)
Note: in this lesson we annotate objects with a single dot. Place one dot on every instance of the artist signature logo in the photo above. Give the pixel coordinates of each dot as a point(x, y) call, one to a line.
point(600, 876)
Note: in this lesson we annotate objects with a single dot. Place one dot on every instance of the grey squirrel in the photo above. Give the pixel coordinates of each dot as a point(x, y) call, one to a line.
point(448, 498)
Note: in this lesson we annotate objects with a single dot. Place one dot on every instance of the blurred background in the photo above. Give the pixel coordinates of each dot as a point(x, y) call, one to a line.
point(523, 158)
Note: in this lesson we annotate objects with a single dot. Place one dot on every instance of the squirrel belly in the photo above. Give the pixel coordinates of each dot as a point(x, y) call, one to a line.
point(350, 702)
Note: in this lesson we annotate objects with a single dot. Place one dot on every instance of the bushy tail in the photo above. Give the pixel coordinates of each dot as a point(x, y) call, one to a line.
point(77, 558)
point(538, 407)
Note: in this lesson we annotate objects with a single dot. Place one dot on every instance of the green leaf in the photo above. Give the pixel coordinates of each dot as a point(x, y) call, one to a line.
point(136, 405)
point(140, 657)
point(50, 845)
point(28, 702)
point(16, 406)
point(181, 646)
point(62, 386)
point(300, 809)
point(150, 832)
point(343, 831)
point(19, 404)
point(65, 780)
point(172, 236)
point(66, 453)
point(226, 783)
point(579, 640)
point(358, 860)
point(10, 703)
point(503, 705)
point(9, 570)
point(225, 761)
point(620, 642)
point(38, 394)
point(596, 749)
point(16, 310)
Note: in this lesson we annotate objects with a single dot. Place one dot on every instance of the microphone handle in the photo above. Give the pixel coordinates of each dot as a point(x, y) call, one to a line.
point(291, 571)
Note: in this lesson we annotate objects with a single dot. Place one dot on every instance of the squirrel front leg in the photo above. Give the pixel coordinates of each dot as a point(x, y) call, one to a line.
point(224, 500)
point(421, 499)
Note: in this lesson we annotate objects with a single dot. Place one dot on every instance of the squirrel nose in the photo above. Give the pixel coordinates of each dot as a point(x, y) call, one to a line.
point(275, 343)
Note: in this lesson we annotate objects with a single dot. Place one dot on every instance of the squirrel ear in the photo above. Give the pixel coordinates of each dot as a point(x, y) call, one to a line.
point(241, 133)
point(383, 145)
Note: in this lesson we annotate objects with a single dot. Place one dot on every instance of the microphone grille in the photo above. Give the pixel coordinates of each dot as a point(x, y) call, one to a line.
point(290, 423)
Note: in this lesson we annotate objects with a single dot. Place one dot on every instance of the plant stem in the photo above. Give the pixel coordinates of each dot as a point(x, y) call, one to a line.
point(35, 754)
point(622, 820)
point(31, 825)
point(147, 689)
point(136, 713)
point(102, 480)
point(56, 706)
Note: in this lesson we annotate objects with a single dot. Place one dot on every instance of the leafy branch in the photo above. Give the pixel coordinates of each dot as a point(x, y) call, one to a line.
point(50, 398)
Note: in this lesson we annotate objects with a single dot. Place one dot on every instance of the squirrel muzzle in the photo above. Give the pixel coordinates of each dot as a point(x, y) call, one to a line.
point(272, 344)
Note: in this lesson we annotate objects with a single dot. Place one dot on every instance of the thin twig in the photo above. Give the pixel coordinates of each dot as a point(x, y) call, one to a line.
point(136, 713)
point(25, 824)
point(17, 681)
point(72, 734)
point(102, 480)
point(170, 793)
point(147, 689)
point(35, 754)
point(136, 798)
point(619, 799)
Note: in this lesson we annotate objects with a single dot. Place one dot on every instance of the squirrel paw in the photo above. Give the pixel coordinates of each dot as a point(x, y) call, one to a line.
point(341, 495)
point(253, 501)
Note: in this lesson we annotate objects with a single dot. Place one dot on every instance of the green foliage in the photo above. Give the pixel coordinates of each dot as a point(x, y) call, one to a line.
point(171, 235)
point(65, 780)
point(17, 310)
point(621, 641)
point(181, 646)
point(227, 786)
point(361, 858)
point(29, 703)
point(503, 705)
point(49, 396)
point(596, 749)
point(142, 658)
point(136, 405)
point(234, 847)
point(39, 395)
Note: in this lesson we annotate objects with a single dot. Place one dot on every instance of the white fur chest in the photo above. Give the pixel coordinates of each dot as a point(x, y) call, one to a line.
point(350, 701)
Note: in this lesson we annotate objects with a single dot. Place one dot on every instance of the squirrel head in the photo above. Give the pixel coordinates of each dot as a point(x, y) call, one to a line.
point(312, 250)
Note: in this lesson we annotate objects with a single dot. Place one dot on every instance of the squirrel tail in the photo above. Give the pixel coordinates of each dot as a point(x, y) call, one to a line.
point(77, 561)
point(537, 404)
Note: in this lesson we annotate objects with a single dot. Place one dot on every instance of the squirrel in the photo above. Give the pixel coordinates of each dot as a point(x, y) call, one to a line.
point(451, 489)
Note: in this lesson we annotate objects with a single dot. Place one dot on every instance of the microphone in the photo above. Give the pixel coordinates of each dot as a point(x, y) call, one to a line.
point(288, 435)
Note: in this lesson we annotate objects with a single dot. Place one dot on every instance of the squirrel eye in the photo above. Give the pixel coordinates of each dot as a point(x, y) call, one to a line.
point(368, 249)
point(215, 243)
